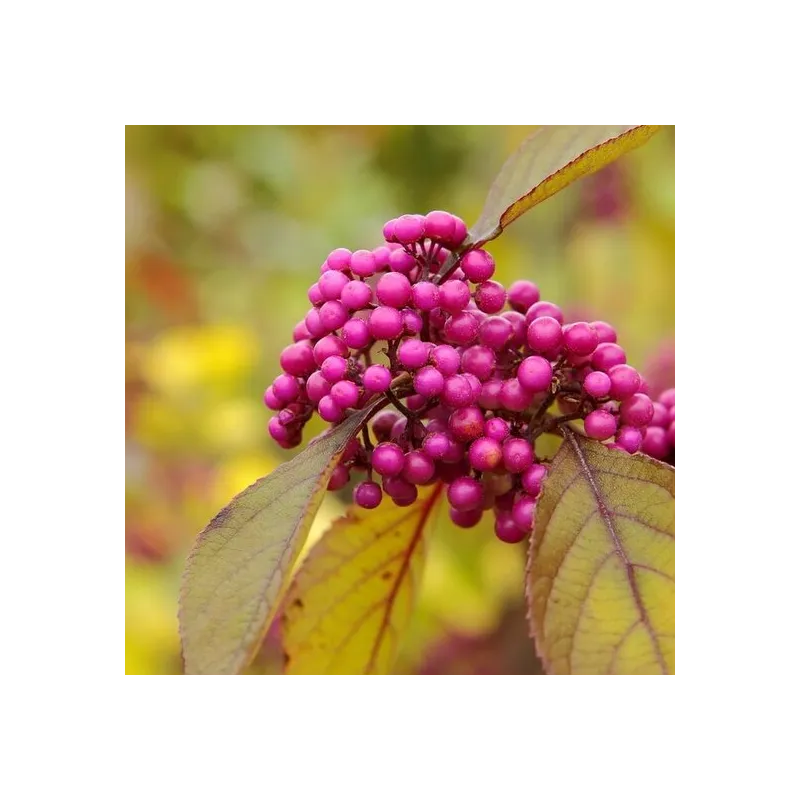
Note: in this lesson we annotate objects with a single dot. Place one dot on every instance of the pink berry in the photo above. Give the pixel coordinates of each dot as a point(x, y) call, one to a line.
point(637, 410)
point(300, 332)
point(457, 391)
point(381, 255)
point(363, 263)
point(339, 478)
point(315, 296)
point(466, 423)
point(495, 332)
point(334, 368)
point(514, 397)
point(523, 512)
point(655, 442)
point(329, 346)
point(385, 322)
point(298, 359)
point(478, 265)
point(535, 374)
point(331, 284)
point(453, 296)
point(597, 384)
point(533, 479)
point(671, 434)
point(388, 459)
point(355, 334)
point(412, 322)
point(519, 327)
point(466, 519)
point(460, 232)
point(314, 323)
point(490, 296)
point(367, 494)
point(485, 454)
point(429, 382)
point(517, 455)
point(400, 490)
point(608, 355)
point(478, 361)
point(629, 439)
point(544, 334)
point(507, 530)
point(522, 295)
point(330, 410)
point(317, 386)
point(437, 445)
point(388, 230)
point(446, 359)
point(667, 398)
point(355, 294)
point(465, 494)
point(600, 424)
point(425, 295)
point(413, 354)
point(440, 226)
point(461, 328)
point(660, 415)
point(286, 388)
point(544, 309)
point(604, 331)
point(271, 401)
point(401, 261)
point(409, 228)
point(333, 314)
point(625, 381)
point(580, 338)
point(418, 468)
point(497, 429)
point(339, 259)
point(394, 290)
point(376, 378)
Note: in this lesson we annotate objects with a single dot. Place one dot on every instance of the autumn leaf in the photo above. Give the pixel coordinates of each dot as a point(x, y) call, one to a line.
point(352, 598)
point(240, 565)
point(601, 569)
point(548, 161)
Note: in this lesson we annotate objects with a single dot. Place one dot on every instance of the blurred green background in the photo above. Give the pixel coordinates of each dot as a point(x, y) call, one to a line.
point(226, 227)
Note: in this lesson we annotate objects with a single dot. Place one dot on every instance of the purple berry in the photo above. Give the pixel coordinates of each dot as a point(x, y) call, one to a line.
point(478, 265)
point(496, 332)
point(313, 323)
point(388, 459)
point(507, 530)
point(345, 393)
point(597, 384)
point(625, 381)
point(429, 382)
point(580, 338)
point(363, 263)
point(329, 346)
point(440, 225)
point(409, 228)
point(544, 309)
point(667, 398)
point(355, 294)
point(334, 368)
point(400, 490)
point(402, 262)
point(317, 386)
point(412, 322)
point(300, 332)
point(419, 468)
point(497, 428)
point(286, 388)
point(522, 295)
point(533, 478)
point(604, 331)
point(478, 361)
point(466, 519)
point(637, 410)
point(655, 443)
point(278, 432)
point(671, 434)
point(535, 374)
point(437, 445)
point(339, 477)
point(355, 334)
point(490, 296)
point(457, 391)
point(425, 295)
point(514, 397)
point(315, 296)
point(376, 378)
point(329, 409)
point(660, 415)
point(522, 513)
point(544, 334)
point(466, 423)
point(413, 354)
point(339, 259)
point(446, 359)
point(519, 327)
point(453, 296)
point(517, 455)
point(385, 323)
point(485, 454)
point(382, 424)
point(629, 439)
point(600, 424)
point(331, 284)
point(394, 289)
point(465, 494)
point(608, 355)
point(271, 401)
point(367, 494)
point(298, 359)
point(461, 328)
point(460, 232)
point(388, 230)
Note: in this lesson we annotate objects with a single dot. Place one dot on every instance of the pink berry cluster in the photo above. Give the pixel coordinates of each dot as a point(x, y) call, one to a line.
point(658, 439)
point(470, 375)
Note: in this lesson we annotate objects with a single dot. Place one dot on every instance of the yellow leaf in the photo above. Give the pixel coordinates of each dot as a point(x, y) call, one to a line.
point(601, 570)
point(352, 598)
point(546, 162)
point(241, 563)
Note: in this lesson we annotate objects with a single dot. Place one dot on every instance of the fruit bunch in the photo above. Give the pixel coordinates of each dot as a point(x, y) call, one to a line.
point(658, 440)
point(469, 375)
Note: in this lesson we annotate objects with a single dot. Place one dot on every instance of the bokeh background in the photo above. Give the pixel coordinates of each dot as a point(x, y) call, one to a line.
point(226, 227)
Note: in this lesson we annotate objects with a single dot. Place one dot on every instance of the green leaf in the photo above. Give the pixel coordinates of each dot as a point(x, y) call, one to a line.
point(545, 163)
point(601, 569)
point(240, 565)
